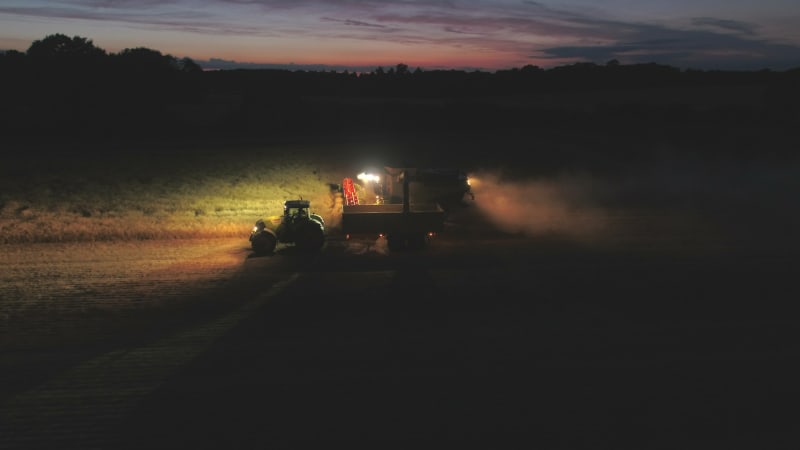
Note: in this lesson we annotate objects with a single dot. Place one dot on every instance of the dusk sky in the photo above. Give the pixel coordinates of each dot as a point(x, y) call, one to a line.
point(460, 34)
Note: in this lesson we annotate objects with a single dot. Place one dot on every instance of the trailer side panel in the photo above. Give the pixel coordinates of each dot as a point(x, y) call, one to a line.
point(390, 218)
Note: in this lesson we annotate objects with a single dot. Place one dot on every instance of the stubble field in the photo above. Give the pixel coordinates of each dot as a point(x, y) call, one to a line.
point(88, 230)
point(689, 244)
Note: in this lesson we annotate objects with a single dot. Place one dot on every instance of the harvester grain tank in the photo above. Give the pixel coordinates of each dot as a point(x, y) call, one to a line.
point(449, 187)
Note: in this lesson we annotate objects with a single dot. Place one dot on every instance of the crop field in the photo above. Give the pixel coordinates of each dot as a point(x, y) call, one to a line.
point(89, 235)
point(118, 269)
point(151, 193)
point(93, 246)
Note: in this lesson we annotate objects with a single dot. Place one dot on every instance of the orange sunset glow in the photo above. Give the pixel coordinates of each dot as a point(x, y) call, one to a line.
point(476, 34)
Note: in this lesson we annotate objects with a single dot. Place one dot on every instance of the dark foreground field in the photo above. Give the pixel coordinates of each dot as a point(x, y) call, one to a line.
point(492, 341)
point(607, 293)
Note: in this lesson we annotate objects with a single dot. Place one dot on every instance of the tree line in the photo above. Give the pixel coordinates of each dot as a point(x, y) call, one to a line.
point(68, 85)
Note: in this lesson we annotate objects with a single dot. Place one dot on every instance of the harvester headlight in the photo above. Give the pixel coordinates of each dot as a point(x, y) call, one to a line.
point(367, 177)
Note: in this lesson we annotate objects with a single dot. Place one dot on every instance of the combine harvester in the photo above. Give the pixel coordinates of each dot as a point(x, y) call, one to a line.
point(404, 225)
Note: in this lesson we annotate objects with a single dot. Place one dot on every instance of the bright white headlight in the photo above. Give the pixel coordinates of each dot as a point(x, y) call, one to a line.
point(368, 177)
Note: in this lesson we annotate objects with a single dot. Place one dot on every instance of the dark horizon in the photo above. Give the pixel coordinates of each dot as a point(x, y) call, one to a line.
point(69, 85)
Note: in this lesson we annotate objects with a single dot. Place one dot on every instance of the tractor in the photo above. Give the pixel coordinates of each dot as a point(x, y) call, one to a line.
point(298, 226)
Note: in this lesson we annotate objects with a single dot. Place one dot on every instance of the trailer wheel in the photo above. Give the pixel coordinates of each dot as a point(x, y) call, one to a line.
point(406, 241)
point(263, 243)
point(416, 241)
point(395, 242)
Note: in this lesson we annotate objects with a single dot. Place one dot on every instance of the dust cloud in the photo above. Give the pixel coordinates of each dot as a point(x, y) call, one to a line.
point(564, 205)
point(672, 201)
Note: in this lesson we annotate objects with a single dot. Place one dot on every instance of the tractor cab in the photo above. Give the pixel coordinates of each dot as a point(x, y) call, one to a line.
point(295, 208)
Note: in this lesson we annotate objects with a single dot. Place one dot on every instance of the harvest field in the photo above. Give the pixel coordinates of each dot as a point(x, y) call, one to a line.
point(625, 276)
point(89, 236)
point(118, 270)
point(152, 193)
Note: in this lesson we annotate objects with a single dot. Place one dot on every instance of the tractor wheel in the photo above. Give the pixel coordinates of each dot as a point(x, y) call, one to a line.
point(309, 236)
point(264, 243)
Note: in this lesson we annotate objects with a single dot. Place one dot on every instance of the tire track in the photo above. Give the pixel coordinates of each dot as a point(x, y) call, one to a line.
point(58, 293)
point(80, 408)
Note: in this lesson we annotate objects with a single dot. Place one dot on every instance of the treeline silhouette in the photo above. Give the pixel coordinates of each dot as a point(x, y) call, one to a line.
point(66, 86)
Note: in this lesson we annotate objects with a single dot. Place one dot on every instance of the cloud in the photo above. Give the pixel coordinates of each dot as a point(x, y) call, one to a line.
point(351, 22)
point(522, 31)
point(225, 64)
point(726, 25)
point(688, 48)
point(137, 16)
point(190, 21)
point(112, 4)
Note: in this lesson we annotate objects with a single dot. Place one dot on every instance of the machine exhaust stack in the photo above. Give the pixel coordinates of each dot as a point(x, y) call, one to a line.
point(406, 202)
